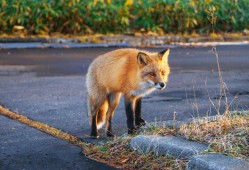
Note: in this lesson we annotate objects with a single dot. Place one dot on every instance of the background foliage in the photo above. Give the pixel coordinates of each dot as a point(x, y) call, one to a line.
point(122, 16)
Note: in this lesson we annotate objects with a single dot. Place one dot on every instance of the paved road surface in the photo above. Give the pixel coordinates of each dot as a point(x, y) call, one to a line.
point(26, 148)
point(48, 85)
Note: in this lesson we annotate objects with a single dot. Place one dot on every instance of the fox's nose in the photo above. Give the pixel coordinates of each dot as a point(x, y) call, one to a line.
point(162, 85)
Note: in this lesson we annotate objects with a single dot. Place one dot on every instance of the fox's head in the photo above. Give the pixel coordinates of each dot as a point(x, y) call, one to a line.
point(153, 69)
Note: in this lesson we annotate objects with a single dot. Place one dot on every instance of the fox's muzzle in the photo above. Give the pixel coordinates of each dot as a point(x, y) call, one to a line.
point(160, 85)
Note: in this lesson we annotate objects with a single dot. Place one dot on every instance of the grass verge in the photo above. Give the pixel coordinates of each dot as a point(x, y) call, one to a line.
point(228, 134)
point(118, 151)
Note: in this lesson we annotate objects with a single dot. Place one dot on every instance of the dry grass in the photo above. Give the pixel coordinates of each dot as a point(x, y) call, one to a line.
point(119, 153)
point(117, 150)
point(229, 134)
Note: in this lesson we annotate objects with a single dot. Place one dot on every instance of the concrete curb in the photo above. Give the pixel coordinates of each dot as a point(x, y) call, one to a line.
point(167, 145)
point(57, 45)
point(149, 39)
point(121, 41)
point(184, 149)
point(216, 161)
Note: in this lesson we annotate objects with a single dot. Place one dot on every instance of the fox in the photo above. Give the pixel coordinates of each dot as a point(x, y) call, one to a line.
point(127, 72)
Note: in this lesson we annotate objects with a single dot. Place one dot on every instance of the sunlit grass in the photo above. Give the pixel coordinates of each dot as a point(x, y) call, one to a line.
point(229, 134)
point(118, 152)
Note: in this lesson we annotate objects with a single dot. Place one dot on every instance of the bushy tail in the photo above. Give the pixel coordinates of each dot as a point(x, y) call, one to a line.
point(101, 117)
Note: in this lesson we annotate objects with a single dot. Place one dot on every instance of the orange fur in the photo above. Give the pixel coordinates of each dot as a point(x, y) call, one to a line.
point(120, 72)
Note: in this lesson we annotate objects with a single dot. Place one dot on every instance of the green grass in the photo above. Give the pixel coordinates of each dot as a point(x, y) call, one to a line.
point(123, 16)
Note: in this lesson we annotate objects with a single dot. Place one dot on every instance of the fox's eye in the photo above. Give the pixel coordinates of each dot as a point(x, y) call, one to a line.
point(163, 73)
point(152, 74)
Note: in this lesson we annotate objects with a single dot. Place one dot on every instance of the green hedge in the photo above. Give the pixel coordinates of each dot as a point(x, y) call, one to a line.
point(122, 16)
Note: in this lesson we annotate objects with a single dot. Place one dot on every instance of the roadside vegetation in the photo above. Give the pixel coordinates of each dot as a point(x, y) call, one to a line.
point(229, 134)
point(117, 151)
point(78, 17)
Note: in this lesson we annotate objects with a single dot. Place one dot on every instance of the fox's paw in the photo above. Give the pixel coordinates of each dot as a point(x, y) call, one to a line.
point(110, 134)
point(132, 131)
point(94, 135)
point(140, 122)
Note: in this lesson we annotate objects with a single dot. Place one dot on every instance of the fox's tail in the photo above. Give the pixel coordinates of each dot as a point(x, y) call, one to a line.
point(101, 117)
point(101, 120)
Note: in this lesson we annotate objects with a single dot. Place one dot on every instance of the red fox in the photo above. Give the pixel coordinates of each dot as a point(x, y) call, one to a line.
point(131, 72)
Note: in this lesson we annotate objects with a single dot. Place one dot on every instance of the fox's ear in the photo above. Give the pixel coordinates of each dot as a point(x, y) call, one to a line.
point(163, 55)
point(142, 58)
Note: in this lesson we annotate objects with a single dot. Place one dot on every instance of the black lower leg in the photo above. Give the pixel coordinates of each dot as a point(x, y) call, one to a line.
point(130, 115)
point(94, 130)
point(109, 129)
point(138, 119)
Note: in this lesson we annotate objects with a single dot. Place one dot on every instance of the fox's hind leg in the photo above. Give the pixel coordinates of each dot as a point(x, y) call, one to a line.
point(113, 101)
point(138, 117)
point(97, 108)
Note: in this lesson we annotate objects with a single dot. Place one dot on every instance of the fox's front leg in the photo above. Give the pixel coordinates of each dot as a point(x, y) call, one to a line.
point(129, 109)
point(138, 118)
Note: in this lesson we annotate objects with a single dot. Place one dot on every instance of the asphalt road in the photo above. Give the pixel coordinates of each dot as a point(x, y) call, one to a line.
point(26, 148)
point(48, 85)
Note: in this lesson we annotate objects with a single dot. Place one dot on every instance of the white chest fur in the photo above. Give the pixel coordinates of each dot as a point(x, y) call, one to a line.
point(145, 88)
